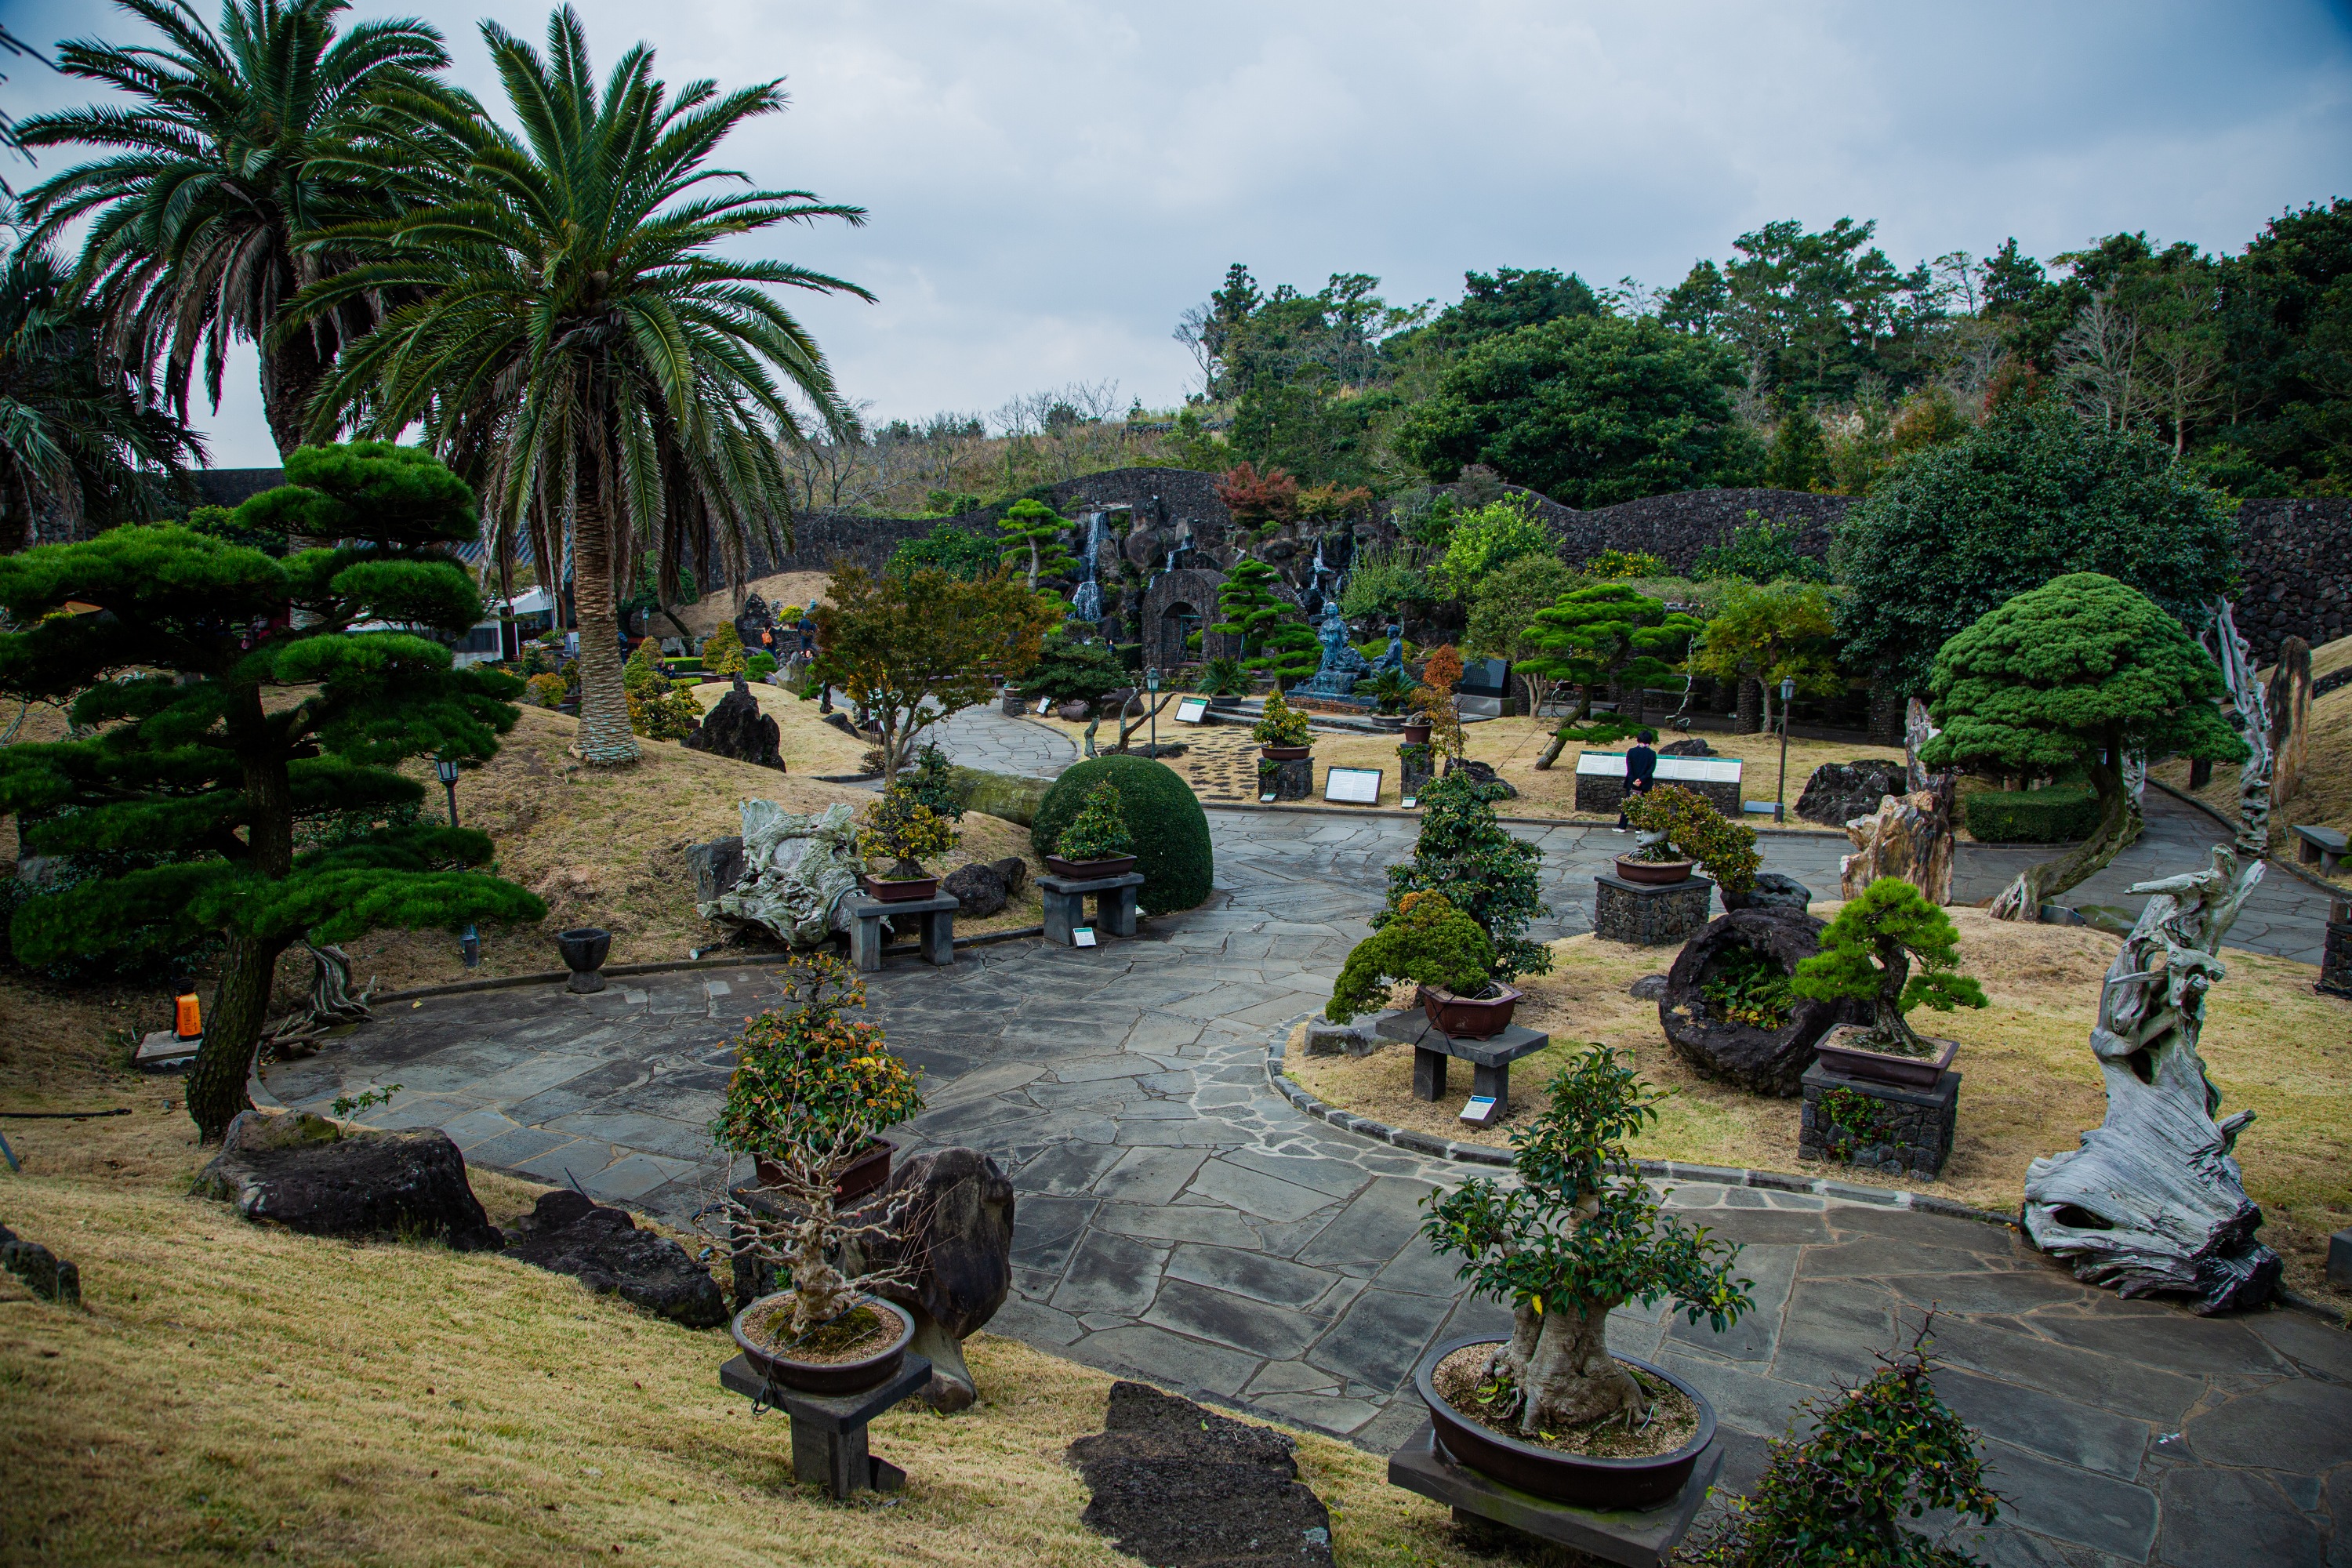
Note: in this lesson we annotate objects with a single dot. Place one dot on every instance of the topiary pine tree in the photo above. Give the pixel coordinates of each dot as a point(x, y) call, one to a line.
point(1866, 954)
point(1607, 632)
point(1271, 639)
point(2081, 672)
point(1029, 541)
point(1464, 853)
point(219, 729)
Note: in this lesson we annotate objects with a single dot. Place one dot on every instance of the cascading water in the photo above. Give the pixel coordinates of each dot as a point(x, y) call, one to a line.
point(1087, 605)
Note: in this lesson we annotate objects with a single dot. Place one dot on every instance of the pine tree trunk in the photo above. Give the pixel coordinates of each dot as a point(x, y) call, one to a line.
point(2119, 822)
point(232, 1030)
point(1560, 1362)
point(605, 739)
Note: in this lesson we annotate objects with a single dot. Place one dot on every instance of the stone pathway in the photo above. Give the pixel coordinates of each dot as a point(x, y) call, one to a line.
point(1180, 1220)
point(987, 738)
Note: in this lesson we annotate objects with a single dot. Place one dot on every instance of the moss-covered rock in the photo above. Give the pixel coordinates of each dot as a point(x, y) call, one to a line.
point(1172, 832)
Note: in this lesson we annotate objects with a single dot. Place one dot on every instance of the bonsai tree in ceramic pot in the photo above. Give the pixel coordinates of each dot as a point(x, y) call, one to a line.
point(1866, 954)
point(1428, 941)
point(1680, 826)
point(1282, 729)
point(901, 829)
point(1435, 717)
point(1579, 1235)
point(806, 1075)
point(1097, 842)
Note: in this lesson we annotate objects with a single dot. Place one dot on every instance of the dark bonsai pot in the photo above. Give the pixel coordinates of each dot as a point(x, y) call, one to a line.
point(1416, 731)
point(1226, 703)
point(1091, 870)
point(1841, 1055)
point(866, 1173)
point(825, 1377)
point(1549, 1473)
point(1286, 754)
point(1470, 1017)
point(1654, 873)
point(895, 891)
point(583, 949)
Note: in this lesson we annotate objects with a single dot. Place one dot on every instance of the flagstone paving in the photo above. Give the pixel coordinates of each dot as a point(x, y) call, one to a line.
point(1180, 1220)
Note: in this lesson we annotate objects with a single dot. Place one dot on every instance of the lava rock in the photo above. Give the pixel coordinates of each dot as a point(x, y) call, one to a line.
point(1491, 783)
point(978, 890)
point(1181, 1486)
point(44, 1274)
point(1325, 1039)
point(737, 727)
point(956, 1229)
point(1014, 871)
point(1694, 747)
point(1840, 792)
point(604, 1250)
point(1072, 713)
point(309, 1174)
point(715, 866)
point(1770, 890)
point(1767, 1062)
point(1649, 988)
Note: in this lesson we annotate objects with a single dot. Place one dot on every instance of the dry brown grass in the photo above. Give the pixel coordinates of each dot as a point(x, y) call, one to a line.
point(2270, 1042)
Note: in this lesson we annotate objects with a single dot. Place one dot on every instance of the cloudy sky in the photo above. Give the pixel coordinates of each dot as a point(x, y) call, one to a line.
point(1051, 184)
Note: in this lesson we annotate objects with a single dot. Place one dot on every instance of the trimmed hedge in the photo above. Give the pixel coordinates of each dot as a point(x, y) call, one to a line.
point(2061, 813)
point(1171, 831)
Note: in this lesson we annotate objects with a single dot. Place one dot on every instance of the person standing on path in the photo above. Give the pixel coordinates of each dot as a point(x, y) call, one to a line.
point(1641, 773)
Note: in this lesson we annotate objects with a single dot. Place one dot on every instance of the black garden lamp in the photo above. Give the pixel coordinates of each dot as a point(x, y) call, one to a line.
point(1151, 696)
point(447, 768)
point(1781, 792)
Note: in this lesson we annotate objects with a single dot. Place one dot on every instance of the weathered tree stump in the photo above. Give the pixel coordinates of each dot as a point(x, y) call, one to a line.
point(1766, 1061)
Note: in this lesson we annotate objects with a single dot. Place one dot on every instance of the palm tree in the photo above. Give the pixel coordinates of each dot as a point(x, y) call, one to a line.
point(574, 333)
point(234, 141)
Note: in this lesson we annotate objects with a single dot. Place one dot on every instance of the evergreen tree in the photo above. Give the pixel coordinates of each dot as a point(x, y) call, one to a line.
point(1029, 539)
point(1799, 454)
point(1607, 632)
point(1271, 640)
point(218, 728)
point(1465, 854)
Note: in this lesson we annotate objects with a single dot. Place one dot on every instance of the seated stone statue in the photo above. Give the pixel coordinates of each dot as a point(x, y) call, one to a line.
point(1342, 665)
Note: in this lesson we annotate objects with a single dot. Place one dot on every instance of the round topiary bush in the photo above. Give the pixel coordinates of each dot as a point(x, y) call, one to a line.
point(1171, 831)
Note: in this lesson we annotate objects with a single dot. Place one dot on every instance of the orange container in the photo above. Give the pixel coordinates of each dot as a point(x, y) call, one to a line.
point(189, 1023)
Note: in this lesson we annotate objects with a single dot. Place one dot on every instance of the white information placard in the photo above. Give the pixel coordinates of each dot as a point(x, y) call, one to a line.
point(1480, 1109)
point(1045, 705)
point(1193, 710)
point(1083, 937)
point(1352, 786)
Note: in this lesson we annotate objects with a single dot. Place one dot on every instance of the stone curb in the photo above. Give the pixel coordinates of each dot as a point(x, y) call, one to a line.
point(2287, 865)
point(1519, 821)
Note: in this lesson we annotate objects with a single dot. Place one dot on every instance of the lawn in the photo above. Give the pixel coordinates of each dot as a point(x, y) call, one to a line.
point(2029, 1083)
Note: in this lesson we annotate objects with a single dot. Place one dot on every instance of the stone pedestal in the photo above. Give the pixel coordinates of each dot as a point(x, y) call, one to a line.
point(1411, 779)
point(829, 1430)
point(1490, 1059)
point(1065, 899)
point(1290, 780)
point(1014, 704)
point(1646, 913)
point(1903, 1132)
point(2336, 957)
point(936, 915)
point(1636, 1540)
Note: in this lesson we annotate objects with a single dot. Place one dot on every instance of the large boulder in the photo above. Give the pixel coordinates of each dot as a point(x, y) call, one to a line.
point(978, 890)
point(1177, 1485)
point(715, 866)
point(1493, 785)
point(603, 1249)
point(1770, 890)
point(737, 727)
point(1013, 872)
point(314, 1175)
point(956, 1231)
point(1692, 747)
point(1840, 792)
point(1766, 1061)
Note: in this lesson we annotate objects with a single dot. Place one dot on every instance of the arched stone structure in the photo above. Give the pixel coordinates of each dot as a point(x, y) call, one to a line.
point(1182, 601)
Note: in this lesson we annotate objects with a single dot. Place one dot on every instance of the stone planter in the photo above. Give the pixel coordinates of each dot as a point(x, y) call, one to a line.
point(1470, 1017)
point(1655, 873)
point(1088, 870)
point(1839, 1052)
point(1225, 704)
point(1650, 914)
point(867, 1172)
point(1555, 1476)
point(1290, 778)
point(825, 1377)
point(898, 890)
point(1880, 1127)
point(583, 949)
point(1012, 704)
point(1766, 1061)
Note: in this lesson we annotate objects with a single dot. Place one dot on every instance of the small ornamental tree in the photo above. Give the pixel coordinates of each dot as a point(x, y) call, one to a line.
point(1866, 954)
point(1428, 941)
point(1688, 824)
point(1767, 633)
point(722, 652)
point(1258, 500)
point(1580, 1234)
point(1441, 672)
point(1605, 633)
point(1272, 639)
point(1464, 853)
point(2081, 672)
point(1280, 725)
point(901, 829)
point(1098, 832)
point(1029, 541)
point(211, 729)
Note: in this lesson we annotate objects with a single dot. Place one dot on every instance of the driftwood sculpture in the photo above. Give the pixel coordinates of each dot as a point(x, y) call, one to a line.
point(2152, 1202)
point(2252, 722)
point(332, 1005)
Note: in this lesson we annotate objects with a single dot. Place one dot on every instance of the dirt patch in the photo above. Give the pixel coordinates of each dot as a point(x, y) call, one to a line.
point(857, 1333)
point(1461, 1382)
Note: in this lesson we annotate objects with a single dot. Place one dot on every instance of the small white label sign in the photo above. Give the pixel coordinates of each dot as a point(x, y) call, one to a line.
point(1045, 705)
point(1193, 710)
point(1083, 937)
point(1480, 1109)
point(1409, 802)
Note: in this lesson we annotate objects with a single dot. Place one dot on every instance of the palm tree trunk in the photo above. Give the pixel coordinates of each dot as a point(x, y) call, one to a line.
point(605, 739)
point(291, 374)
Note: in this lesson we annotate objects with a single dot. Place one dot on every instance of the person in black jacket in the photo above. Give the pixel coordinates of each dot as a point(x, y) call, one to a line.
point(1641, 772)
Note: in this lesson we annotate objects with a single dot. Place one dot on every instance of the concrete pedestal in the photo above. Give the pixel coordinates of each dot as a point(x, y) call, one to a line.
point(937, 916)
point(1906, 1132)
point(829, 1430)
point(1290, 780)
point(1644, 1540)
point(1647, 914)
point(1065, 899)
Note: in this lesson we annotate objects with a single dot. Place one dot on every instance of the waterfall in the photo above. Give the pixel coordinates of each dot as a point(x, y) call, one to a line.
point(1086, 605)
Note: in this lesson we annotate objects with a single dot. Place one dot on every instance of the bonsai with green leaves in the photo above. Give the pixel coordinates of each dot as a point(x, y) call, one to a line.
point(2080, 673)
point(1272, 638)
point(1465, 854)
point(1427, 940)
point(1579, 1235)
point(1280, 725)
point(1679, 823)
point(1225, 677)
point(900, 829)
point(221, 700)
point(1098, 832)
point(1866, 954)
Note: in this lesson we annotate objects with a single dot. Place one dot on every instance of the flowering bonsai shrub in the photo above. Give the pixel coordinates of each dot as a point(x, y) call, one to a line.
point(1465, 854)
point(1867, 953)
point(1681, 824)
point(900, 829)
point(1427, 940)
point(807, 1078)
point(1433, 698)
point(1098, 832)
point(1281, 725)
point(1579, 1235)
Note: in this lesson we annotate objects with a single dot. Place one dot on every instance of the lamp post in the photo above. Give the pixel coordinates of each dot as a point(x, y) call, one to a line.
point(447, 768)
point(1151, 695)
point(1781, 792)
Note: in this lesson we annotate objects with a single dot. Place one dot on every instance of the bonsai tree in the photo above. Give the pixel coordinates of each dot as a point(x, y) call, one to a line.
point(1579, 1235)
point(1029, 542)
point(222, 701)
point(722, 653)
point(1069, 671)
point(1225, 677)
point(1281, 724)
point(1429, 941)
point(1271, 640)
point(1389, 690)
point(1441, 672)
point(657, 708)
point(1769, 633)
point(1098, 832)
point(2079, 673)
point(1866, 954)
point(901, 829)
point(1607, 632)
point(1464, 853)
point(1682, 823)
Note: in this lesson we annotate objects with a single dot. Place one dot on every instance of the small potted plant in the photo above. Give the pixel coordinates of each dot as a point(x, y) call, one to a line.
point(1389, 690)
point(900, 829)
point(1550, 1410)
point(1281, 732)
point(1866, 956)
point(1096, 843)
point(1430, 942)
point(1680, 827)
point(1225, 683)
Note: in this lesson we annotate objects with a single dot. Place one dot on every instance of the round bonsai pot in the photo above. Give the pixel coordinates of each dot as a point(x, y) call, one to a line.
point(583, 949)
point(1840, 1054)
point(1088, 870)
point(1470, 1017)
point(1642, 1483)
point(866, 1173)
point(1654, 873)
point(1228, 703)
point(894, 890)
point(1416, 732)
point(1286, 754)
point(825, 1377)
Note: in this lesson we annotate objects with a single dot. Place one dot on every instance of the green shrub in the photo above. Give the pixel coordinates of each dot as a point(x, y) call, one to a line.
point(1429, 940)
point(1172, 832)
point(1281, 725)
point(722, 652)
point(760, 665)
point(547, 690)
point(1098, 832)
point(2061, 813)
point(1695, 829)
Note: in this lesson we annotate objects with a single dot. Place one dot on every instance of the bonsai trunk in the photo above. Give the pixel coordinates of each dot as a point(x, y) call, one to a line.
point(1891, 1026)
point(605, 737)
point(2119, 822)
point(1559, 1360)
point(225, 1061)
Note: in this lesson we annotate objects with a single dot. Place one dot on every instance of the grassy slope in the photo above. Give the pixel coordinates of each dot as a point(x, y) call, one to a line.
point(2028, 1084)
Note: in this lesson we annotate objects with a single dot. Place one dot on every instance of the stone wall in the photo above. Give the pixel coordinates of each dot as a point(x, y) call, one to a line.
point(1678, 528)
point(2296, 557)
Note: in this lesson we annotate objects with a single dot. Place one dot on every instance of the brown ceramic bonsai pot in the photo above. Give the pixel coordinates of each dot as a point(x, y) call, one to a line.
point(1654, 873)
point(1841, 1055)
point(866, 1173)
point(1286, 754)
point(825, 1377)
point(1416, 731)
point(1470, 1017)
point(1091, 870)
point(894, 890)
point(1552, 1473)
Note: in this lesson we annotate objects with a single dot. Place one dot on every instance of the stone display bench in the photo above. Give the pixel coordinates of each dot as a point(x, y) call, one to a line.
point(1648, 914)
point(1915, 1134)
point(829, 1430)
point(1065, 899)
point(1490, 1059)
point(1292, 779)
point(866, 917)
point(1600, 780)
point(1636, 1540)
